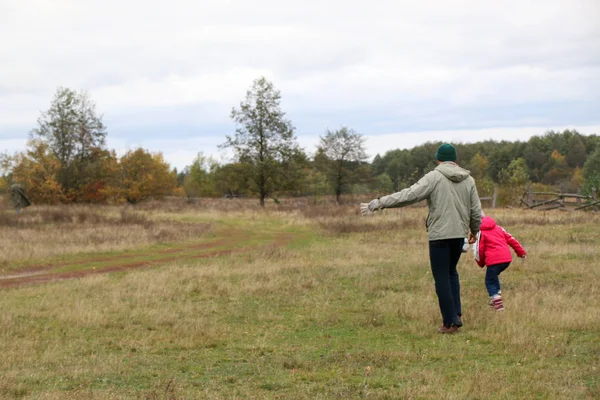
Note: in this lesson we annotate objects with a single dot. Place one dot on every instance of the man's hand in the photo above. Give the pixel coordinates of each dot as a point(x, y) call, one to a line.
point(472, 238)
point(364, 209)
point(369, 208)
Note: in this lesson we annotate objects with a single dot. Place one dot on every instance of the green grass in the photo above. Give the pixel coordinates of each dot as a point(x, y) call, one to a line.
point(328, 317)
point(232, 234)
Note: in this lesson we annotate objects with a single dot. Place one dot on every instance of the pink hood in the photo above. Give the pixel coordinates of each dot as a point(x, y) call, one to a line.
point(487, 223)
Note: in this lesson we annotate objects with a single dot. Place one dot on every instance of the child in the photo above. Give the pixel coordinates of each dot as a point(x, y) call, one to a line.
point(491, 249)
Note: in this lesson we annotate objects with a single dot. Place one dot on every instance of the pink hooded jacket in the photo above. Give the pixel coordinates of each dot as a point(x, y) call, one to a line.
point(493, 243)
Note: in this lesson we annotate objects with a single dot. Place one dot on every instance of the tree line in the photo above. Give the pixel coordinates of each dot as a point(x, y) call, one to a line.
point(67, 161)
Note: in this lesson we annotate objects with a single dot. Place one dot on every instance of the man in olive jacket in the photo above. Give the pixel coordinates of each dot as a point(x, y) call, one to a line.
point(454, 210)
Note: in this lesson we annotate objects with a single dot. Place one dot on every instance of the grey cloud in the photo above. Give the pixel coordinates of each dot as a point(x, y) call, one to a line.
point(393, 65)
point(6, 90)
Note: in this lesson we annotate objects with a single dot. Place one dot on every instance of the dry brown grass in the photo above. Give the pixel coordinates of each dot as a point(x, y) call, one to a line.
point(351, 314)
point(43, 231)
point(308, 206)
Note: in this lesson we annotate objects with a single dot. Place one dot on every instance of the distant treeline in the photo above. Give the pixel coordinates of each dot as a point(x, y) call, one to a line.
point(554, 158)
point(67, 161)
point(563, 161)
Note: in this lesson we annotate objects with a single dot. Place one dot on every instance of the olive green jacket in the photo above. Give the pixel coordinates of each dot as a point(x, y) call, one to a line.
point(454, 206)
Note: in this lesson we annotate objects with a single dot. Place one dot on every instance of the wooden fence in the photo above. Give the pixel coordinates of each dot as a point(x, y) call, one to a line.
point(561, 201)
point(491, 199)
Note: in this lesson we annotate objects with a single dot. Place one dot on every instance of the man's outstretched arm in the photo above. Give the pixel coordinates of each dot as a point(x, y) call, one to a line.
point(417, 192)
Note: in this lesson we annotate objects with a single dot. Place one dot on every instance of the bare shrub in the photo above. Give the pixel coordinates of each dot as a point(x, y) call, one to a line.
point(133, 218)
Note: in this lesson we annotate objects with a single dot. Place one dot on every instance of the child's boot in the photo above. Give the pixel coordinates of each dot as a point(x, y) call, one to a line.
point(496, 302)
point(491, 303)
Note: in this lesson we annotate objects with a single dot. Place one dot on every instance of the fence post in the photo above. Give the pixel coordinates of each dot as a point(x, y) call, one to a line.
point(578, 194)
point(530, 196)
point(494, 196)
point(594, 198)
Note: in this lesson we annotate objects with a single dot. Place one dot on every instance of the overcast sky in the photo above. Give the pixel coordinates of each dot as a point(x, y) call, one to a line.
point(165, 74)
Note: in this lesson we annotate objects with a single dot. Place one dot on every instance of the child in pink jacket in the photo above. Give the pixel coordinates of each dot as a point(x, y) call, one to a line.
point(492, 250)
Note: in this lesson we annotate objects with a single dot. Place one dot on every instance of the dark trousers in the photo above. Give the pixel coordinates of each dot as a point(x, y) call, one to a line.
point(444, 255)
point(492, 282)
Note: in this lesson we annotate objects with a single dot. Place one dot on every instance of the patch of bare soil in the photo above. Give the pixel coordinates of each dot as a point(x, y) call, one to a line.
point(44, 273)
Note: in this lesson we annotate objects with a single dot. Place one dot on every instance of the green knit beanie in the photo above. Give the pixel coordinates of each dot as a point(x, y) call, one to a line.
point(446, 152)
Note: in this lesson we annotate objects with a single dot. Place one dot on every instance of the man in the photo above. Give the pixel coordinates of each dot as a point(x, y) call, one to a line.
point(454, 209)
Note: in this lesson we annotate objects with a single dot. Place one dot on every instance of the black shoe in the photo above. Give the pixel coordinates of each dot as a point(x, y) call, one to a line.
point(459, 323)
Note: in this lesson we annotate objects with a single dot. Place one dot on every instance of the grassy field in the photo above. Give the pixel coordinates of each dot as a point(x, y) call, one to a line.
point(229, 302)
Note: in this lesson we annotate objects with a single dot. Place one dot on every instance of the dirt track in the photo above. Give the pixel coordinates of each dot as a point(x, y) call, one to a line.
point(37, 274)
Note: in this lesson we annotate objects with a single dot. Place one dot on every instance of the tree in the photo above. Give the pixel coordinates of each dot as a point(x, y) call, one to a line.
point(591, 172)
point(378, 165)
point(316, 183)
point(398, 164)
point(536, 155)
point(198, 179)
point(592, 142)
point(191, 188)
point(478, 166)
point(383, 184)
point(180, 175)
point(264, 139)
point(577, 154)
point(516, 173)
point(577, 180)
point(341, 156)
point(71, 129)
point(556, 170)
point(100, 170)
point(515, 177)
point(295, 181)
point(3, 185)
point(6, 167)
point(36, 169)
point(500, 158)
point(144, 175)
point(231, 180)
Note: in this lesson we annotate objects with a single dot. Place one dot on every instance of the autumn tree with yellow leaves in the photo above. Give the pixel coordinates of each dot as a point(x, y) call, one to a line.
point(37, 169)
point(143, 175)
point(66, 160)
